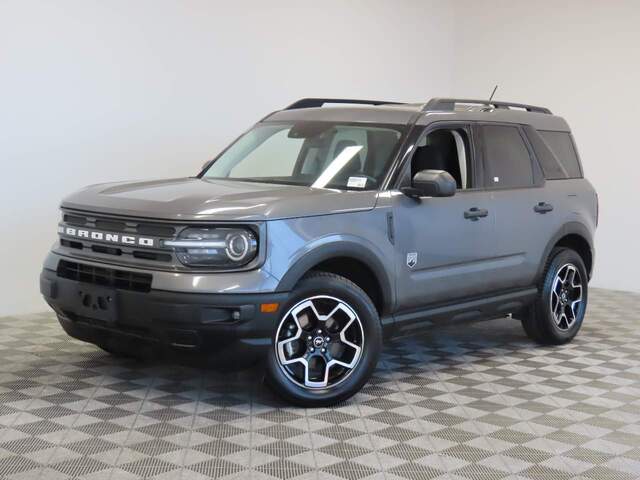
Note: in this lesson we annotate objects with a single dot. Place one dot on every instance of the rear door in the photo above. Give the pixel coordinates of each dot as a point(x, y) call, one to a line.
point(525, 214)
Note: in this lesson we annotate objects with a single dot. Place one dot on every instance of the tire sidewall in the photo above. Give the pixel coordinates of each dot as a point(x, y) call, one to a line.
point(563, 257)
point(352, 295)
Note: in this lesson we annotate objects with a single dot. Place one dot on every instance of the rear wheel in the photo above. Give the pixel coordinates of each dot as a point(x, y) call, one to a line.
point(558, 312)
point(326, 344)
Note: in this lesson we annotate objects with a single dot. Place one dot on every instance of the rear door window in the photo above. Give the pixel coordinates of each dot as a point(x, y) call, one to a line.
point(561, 144)
point(507, 160)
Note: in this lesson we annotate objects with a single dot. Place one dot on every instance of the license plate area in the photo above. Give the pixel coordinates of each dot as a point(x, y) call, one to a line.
point(99, 303)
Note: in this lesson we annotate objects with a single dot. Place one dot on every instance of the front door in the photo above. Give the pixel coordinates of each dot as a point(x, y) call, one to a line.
point(445, 247)
point(440, 254)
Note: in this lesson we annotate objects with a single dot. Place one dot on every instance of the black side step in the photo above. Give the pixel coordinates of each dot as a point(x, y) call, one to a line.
point(487, 308)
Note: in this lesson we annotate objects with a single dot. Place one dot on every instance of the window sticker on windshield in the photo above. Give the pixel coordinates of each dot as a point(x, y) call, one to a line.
point(357, 182)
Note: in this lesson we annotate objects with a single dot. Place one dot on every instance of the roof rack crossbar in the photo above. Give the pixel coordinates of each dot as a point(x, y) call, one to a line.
point(319, 102)
point(449, 104)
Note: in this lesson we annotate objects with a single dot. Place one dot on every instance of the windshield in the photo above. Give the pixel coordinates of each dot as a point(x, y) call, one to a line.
point(315, 154)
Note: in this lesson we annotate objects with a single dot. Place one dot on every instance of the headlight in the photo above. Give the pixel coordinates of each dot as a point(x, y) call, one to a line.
point(215, 247)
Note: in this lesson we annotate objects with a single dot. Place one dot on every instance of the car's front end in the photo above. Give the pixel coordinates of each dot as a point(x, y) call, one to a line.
point(121, 282)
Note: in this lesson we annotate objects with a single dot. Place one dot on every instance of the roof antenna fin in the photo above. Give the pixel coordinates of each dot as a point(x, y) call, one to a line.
point(493, 93)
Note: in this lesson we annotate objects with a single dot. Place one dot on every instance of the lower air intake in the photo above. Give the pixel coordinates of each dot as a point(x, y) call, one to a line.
point(125, 280)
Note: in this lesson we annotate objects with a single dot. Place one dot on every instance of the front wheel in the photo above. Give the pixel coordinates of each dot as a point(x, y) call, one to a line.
point(326, 344)
point(557, 314)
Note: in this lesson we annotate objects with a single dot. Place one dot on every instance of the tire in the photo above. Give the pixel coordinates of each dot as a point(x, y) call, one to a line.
point(557, 313)
point(326, 344)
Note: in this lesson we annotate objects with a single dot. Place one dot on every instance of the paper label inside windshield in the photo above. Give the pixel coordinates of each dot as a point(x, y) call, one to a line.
point(357, 182)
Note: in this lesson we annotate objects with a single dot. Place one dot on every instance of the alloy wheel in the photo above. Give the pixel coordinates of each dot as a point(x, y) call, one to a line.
point(566, 296)
point(319, 342)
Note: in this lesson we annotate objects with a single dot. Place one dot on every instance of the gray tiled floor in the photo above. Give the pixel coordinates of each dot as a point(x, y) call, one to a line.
point(477, 402)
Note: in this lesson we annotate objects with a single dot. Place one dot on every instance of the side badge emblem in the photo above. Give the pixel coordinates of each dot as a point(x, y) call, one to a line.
point(412, 259)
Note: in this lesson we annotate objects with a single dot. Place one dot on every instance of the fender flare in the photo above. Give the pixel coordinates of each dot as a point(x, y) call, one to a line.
point(356, 250)
point(569, 228)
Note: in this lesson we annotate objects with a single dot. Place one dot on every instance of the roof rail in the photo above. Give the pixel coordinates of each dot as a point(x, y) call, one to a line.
point(318, 102)
point(448, 104)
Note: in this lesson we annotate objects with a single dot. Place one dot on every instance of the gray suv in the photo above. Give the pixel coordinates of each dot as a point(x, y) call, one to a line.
point(329, 226)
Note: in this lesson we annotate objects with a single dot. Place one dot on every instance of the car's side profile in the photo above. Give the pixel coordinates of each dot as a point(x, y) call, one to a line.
point(324, 230)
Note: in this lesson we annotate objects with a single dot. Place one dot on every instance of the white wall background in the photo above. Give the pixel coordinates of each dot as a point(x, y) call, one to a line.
point(94, 91)
point(582, 60)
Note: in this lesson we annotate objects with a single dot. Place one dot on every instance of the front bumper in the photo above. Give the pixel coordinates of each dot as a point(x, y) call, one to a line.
point(118, 319)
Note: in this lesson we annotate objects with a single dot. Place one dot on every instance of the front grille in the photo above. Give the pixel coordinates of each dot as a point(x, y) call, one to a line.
point(122, 254)
point(108, 277)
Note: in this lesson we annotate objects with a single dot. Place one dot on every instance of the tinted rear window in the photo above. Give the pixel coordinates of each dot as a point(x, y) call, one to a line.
point(561, 144)
point(507, 158)
point(551, 167)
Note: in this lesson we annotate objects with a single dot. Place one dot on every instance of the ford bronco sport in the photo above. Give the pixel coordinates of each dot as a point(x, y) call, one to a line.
point(331, 225)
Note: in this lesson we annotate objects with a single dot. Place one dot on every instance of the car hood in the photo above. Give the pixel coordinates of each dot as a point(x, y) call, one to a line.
point(207, 199)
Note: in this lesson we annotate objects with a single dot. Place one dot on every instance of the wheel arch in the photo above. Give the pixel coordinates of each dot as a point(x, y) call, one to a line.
point(576, 236)
point(352, 260)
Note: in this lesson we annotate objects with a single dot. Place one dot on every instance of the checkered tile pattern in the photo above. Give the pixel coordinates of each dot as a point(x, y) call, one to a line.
point(471, 402)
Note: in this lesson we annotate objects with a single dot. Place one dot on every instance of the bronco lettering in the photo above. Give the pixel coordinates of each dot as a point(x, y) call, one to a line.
point(107, 237)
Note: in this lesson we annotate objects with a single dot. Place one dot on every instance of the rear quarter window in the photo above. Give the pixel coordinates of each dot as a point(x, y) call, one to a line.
point(561, 144)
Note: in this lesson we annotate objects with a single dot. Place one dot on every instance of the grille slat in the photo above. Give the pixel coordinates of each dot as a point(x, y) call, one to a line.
point(75, 220)
point(110, 225)
point(156, 230)
point(117, 225)
point(71, 244)
point(108, 277)
point(158, 257)
point(142, 254)
point(107, 250)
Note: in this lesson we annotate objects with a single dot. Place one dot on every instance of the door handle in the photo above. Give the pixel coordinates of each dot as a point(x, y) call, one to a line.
point(543, 207)
point(475, 213)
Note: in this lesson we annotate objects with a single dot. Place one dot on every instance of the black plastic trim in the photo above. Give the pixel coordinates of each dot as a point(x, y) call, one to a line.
point(215, 319)
point(570, 228)
point(348, 249)
point(486, 307)
point(319, 102)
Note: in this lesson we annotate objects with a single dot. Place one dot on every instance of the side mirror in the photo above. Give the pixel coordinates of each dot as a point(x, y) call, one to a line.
point(431, 183)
